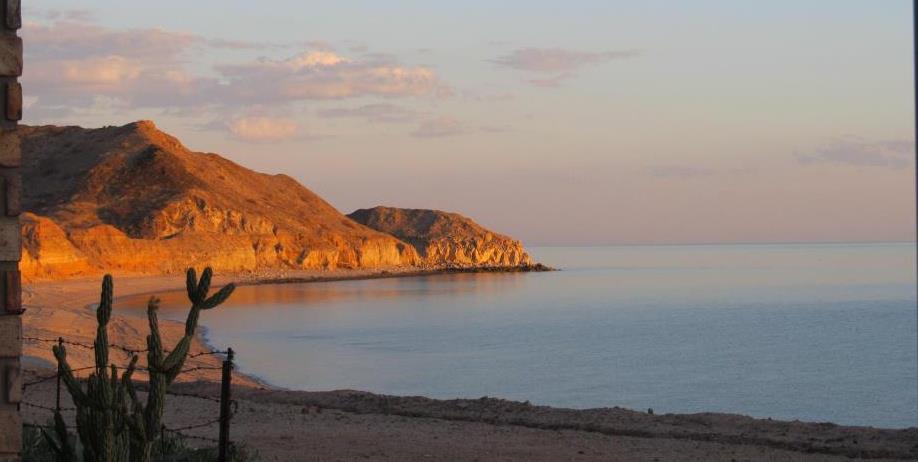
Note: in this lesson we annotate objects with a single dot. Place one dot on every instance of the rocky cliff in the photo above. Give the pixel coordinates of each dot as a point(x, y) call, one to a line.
point(444, 239)
point(134, 200)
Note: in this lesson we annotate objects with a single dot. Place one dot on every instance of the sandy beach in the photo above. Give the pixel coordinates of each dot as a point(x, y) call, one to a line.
point(353, 425)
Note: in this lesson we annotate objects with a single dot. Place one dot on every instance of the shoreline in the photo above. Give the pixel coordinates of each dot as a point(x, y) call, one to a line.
point(397, 273)
point(64, 308)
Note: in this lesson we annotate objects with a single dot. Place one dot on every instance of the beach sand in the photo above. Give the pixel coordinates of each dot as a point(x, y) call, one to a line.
point(351, 425)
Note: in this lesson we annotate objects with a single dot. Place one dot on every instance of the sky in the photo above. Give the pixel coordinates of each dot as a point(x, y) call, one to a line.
point(559, 123)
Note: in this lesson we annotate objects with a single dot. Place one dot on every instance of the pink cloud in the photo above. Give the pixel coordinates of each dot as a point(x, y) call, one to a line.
point(326, 75)
point(551, 82)
point(261, 129)
point(856, 151)
point(374, 113)
point(75, 40)
point(557, 60)
point(439, 127)
point(74, 64)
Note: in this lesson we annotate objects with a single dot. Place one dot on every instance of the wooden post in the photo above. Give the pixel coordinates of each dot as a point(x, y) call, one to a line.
point(225, 400)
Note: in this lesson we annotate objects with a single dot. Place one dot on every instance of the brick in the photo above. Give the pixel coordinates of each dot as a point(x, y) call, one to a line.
point(10, 150)
point(10, 430)
point(10, 55)
point(12, 291)
point(10, 336)
point(12, 195)
point(13, 14)
point(9, 239)
point(13, 383)
point(14, 101)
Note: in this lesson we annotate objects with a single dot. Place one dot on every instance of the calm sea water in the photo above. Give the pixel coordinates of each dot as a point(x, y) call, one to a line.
point(811, 332)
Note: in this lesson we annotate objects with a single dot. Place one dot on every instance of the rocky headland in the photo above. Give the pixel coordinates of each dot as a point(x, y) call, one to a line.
point(444, 239)
point(133, 200)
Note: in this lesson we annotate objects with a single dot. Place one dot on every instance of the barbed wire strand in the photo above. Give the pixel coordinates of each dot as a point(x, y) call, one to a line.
point(123, 348)
point(47, 408)
point(185, 435)
point(201, 366)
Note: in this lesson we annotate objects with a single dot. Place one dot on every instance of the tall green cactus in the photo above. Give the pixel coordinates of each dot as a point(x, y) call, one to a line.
point(145, 421)
point(109, 430)
point(60, 442)
point(101, 406)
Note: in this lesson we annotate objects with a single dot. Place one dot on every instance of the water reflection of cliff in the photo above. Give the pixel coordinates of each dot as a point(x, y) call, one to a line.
point(317, 295)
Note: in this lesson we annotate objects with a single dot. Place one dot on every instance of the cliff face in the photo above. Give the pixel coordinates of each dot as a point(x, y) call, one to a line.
point(46, 251)
point(133, 199)
point(443, 238)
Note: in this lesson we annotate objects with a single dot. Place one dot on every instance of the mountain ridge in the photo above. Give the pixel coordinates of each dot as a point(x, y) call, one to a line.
point(132, 199)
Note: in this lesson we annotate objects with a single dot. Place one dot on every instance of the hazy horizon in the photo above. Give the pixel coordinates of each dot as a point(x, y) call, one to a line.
point(599, 123)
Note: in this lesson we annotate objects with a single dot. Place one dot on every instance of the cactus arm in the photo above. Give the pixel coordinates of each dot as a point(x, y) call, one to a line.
point(191, 323)
point(60, 445)
point(177, 357)
point(132, 419)
point(63, 368)
point(203, 286)
point(58, 451)
point(113, 380)
point(191, 284)
point(127, 384)
point(103, 316)
point(154, 340)
point(221, 296)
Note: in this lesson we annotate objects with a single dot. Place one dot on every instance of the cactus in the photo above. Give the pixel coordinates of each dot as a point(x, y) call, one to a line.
point(60, 447)
point(145, 421)
point(100, 407)
point(112, 423)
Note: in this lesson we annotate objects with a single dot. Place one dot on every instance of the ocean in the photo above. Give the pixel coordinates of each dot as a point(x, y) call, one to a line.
point(815, 332)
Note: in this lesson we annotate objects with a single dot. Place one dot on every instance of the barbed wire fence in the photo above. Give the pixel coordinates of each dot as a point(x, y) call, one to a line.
point(227, 406)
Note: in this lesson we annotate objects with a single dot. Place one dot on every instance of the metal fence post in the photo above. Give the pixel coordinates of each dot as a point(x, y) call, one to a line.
point(225, 406)
point(60, 344)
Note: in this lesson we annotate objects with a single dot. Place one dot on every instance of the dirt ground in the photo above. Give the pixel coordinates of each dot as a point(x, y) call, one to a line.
point(349, 425)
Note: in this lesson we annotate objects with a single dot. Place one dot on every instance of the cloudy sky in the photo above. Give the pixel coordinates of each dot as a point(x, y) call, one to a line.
point(577, 122)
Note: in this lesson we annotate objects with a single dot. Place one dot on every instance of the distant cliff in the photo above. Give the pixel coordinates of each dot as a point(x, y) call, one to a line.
point(134, 200)
point(444, 239)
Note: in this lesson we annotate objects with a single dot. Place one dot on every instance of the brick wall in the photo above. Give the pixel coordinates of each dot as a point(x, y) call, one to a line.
point(10, 189)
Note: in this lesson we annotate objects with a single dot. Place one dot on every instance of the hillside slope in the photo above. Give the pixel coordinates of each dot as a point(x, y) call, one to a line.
point(134, 199)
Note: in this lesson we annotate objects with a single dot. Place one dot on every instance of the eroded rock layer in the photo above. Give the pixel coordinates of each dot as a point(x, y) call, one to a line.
point(443, 238)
